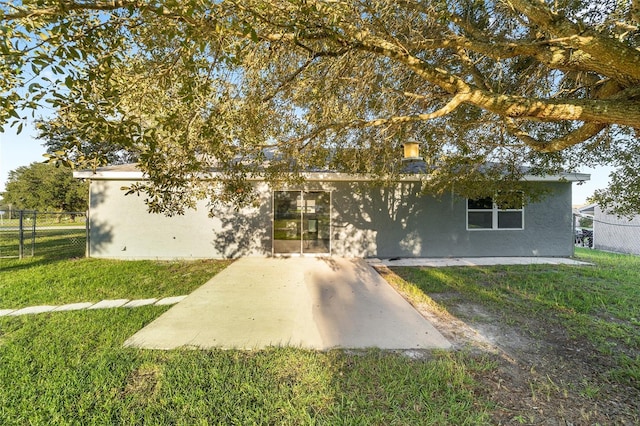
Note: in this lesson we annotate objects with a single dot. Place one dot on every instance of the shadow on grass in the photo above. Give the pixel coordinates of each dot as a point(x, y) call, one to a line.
point(49, 246)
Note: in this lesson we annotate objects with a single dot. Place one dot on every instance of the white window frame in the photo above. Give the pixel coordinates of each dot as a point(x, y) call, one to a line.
point(494, 217)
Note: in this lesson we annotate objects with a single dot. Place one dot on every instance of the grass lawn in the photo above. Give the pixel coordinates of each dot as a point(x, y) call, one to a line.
point(71, 368)
point(599, 304)
point(42, 280)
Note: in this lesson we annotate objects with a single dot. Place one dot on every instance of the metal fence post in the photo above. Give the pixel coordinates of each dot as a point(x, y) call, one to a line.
point(33, 233)
point(20, 235)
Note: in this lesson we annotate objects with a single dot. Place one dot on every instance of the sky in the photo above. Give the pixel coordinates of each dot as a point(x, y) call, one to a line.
point(24, 149)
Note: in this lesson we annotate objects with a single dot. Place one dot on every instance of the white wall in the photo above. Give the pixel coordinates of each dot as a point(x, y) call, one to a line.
point(366, 222)
point(121, 227)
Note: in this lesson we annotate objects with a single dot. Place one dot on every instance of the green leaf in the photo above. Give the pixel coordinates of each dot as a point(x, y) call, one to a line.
point(34, 86)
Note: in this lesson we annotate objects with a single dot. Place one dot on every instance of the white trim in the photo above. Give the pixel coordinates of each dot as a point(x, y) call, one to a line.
point(108, 173)
point(560, 177)
point(495, 212)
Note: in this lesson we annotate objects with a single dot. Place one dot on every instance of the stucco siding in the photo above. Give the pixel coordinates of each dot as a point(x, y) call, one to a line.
point(121, 227)
point(366, 221)
point(399, 222)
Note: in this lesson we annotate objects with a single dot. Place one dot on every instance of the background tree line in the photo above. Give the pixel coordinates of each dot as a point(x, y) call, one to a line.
point(46, 188)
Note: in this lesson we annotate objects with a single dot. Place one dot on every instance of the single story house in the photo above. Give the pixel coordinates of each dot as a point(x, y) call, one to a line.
point(331, 214)
point(613, 233)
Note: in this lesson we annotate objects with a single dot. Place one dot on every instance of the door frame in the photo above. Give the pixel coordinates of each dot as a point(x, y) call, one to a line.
point(301, 251)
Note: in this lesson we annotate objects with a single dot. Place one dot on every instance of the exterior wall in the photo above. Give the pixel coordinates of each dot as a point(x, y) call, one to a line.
point(367, 221)
point(122, 228)
point(617, 234)
point(375, 222)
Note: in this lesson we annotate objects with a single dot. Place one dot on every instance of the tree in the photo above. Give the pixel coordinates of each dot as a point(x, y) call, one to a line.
point(45, 187)
point(193, 85)
point(585, 222)
point(64, 145)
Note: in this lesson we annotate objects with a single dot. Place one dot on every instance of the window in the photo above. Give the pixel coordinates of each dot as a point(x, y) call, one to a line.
point(485, 214)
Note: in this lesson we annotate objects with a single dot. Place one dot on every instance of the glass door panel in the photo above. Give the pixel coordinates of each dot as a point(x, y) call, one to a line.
point(316, 223)
point(301, 222)
point(287, 217)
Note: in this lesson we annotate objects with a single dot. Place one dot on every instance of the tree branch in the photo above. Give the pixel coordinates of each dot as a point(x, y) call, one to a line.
point(575, 137)
point(623, 61)
point(64, 6)
point(610, 89)
point(454, 103)
point(289, 79)
point(609, 111)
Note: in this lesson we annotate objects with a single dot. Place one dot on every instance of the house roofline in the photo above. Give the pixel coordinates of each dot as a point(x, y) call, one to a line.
point(560, 177)
point(114, 173)
point(589, 209)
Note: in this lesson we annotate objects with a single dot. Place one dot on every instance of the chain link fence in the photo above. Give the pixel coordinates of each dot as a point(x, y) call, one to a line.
point(26, 233)
point(609, 233)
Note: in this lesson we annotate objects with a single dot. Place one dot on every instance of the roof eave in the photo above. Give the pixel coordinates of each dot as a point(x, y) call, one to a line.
point(317, 176)
point(560, 177)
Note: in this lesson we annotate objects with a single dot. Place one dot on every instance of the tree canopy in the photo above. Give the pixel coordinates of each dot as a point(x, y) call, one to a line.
point(194, 85)
point(47, 188)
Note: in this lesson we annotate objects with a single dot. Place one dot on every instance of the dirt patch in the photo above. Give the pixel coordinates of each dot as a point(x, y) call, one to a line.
point(542, 375)
point(143, 383)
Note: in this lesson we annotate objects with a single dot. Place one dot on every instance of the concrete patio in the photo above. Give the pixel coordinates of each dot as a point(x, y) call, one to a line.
point(314, 303)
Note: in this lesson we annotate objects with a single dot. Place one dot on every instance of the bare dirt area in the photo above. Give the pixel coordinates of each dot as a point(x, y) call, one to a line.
point(542, 375)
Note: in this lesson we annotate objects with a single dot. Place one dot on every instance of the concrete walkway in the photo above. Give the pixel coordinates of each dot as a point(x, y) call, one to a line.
point(103, 304)
point(303, 302)
point(476, 261)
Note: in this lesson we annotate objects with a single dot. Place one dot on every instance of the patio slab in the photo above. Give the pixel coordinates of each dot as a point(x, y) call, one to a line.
point(315, 303)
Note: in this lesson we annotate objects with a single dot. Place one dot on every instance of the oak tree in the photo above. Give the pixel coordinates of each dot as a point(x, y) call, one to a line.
point(485, 86)
point(46, 188)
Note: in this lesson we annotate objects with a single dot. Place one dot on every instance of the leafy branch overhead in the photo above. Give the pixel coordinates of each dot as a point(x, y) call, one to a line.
point(187, 85)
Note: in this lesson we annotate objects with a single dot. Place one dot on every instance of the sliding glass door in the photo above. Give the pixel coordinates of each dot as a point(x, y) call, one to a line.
point(301, 222)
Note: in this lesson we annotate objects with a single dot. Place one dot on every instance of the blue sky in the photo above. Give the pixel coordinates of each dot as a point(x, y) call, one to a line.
point(24, 149)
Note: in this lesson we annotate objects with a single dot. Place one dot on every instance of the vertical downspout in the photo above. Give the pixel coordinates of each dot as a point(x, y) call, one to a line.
point(573, 234)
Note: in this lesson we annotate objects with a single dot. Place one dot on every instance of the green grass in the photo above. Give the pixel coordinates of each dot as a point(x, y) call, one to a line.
point(599, 303)
point(49, 244)
point(71, 367)
point(36, 282)
point(59, 274)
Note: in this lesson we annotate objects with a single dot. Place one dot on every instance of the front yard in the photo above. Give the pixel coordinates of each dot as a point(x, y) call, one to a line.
point(534, 345)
